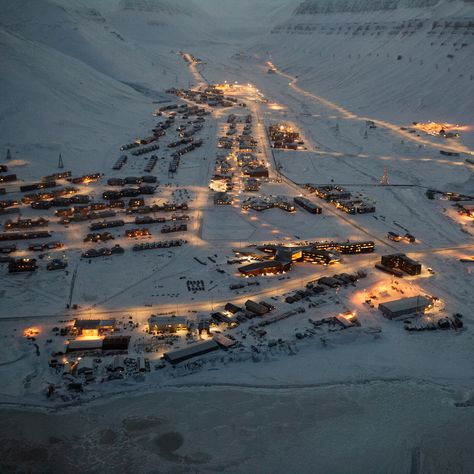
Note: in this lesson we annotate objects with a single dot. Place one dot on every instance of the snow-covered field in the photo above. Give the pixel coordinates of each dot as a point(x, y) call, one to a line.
point(82, 78)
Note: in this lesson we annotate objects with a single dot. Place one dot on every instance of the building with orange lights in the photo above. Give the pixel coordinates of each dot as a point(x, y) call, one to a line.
point(93, 327)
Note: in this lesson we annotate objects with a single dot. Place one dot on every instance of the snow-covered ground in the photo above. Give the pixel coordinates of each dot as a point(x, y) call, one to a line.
point(82, 78)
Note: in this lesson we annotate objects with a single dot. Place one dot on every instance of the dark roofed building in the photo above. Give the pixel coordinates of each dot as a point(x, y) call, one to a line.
point(401, 307)
point(232, 308)
point(116, 343)
point(264, 268)
point(195, 350)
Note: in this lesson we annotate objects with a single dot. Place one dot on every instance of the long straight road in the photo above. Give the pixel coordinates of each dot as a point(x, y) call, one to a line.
point(348, 115)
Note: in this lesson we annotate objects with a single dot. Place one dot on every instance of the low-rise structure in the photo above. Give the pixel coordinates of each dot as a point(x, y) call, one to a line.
point(93, 327)
point(268, 267)
point(405, 306)
point(19, 265)
point(256, 308)
point(402, 262)
point(222, 199)
point(307, 204)
point(195, 350)
point(167, 323)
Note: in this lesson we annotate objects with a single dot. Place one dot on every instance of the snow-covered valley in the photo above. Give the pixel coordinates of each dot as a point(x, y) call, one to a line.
point(294, 389)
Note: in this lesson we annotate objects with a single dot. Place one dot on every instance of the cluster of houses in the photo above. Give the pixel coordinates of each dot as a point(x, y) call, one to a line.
point(251, 184)
point(221, 180)
point(20, 224)
point(85, 179)
point(282, 135)
point(175, 157)
point(341, 198)
point(324, 283)
point(97, 237)
point(167, 229)
point(133, 233)
point(212, 95)
point(58, 198)
point(103, 252)
point(132, 180)
point(252, 169)
point(251, 166)
point(72, 207)
point(128, 192)
point(261, 203)
point(75, 215)
point(162, 244)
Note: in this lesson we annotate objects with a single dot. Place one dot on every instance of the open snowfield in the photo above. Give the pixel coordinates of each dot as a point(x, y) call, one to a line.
point(81, 78)
point(366, 427)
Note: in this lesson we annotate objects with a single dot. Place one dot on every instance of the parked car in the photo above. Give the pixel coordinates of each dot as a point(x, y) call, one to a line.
point(56, 264)
point(393, 236)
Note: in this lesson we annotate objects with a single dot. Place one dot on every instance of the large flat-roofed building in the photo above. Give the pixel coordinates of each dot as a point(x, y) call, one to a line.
point(167, 323)
point(195, 350)
point(93, 327)
point(87, 344)
point(396, 308)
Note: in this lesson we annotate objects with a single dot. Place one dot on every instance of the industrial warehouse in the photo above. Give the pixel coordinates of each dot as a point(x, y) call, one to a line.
point(180, 355)
point(405, 306)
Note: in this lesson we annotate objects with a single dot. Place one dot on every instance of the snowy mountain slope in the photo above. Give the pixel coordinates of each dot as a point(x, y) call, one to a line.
point(67, 69)
point(413, 61)
point(245, 18)
point(90, 32)
point(169, 7)
point(54, 103)
point(311, 7)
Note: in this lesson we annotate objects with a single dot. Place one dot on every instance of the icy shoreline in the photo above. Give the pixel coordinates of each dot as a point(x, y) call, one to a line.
point(371, 427)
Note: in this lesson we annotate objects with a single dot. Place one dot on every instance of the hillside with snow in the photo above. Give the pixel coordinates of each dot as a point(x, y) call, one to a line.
point(78, 72)
point(402, 60)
